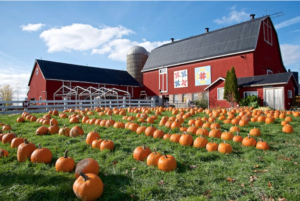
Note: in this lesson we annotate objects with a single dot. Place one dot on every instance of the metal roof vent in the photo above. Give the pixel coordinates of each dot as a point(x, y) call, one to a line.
point(172, 39)
point(207, 30)
point(252, 16)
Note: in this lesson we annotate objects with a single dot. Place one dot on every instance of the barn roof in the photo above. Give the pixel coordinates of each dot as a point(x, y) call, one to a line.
point(70, 72)
point(230, 40)
point(263, 80)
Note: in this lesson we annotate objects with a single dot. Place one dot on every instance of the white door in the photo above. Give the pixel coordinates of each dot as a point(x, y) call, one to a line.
point(274, 98)
point(163, 80)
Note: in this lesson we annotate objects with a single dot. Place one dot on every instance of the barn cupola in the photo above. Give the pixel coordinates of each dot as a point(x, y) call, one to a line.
point(172, 40)
point(136, 59)
point(252, 16)
point(207, 30)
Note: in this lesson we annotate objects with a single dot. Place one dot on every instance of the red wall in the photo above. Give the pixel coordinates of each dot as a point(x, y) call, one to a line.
point(267, 56)
point(213, 96)
point(37, 85)
point(258, 89)
point(290, 86)
point(243, 68)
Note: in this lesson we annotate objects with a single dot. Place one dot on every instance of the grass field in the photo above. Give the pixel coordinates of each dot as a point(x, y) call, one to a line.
point(245, 174)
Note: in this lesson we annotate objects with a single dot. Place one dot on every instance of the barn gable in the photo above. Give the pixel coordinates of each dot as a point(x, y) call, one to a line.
point(236, 39)
point(77, 73)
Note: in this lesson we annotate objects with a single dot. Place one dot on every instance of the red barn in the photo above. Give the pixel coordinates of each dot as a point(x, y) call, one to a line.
point(182, 69)
point(53, 81)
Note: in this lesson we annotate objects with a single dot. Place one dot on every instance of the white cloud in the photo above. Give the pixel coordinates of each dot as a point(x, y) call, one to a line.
point(32, 27)
point(290, 54)
point(80, 37)
point(233, 17)
point(295, 31)
point(117, 49)
point(288, 23)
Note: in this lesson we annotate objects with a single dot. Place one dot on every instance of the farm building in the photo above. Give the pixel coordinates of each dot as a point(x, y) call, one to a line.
point(54, 81)
point(188, 68)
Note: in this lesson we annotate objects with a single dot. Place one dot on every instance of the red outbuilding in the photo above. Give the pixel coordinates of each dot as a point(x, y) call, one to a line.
point(188, 68)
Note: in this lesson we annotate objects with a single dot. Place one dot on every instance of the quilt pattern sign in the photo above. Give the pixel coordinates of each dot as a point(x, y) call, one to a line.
point(181, 78)
point(202, 76)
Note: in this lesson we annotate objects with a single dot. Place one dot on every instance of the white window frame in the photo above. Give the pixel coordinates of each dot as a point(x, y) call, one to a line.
point(182, 97)
point(290, 94)
point(266, 35)
point(163, 71)
point(174, 98)
point(269, 72)
point(250, 92)
point(218, 93)
point(193, 96)
point(36, 71)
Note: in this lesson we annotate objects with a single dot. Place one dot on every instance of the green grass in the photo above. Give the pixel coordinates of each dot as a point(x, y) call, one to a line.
point(200, 175)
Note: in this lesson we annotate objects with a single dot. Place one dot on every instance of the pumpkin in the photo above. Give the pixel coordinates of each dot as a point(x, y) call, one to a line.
point(64, 131)
point(163, 121)
point(74, 120)
point(225, 148)
point(153, 158)
point(43, 130)
point(150, 130)
point(206, 125)
point(167, 136)
point(16, 142)
point(175, 138)
point(107, 144)
point(87, 165)
point(141, 153)
point(200, 142)
point(41, 155)
point(262, 145)
point(76, 131)
point(25, 150)
point(243, 122)
point(215, 126)
point(119, 124)
point(192, 129)
point(237, 138)
point(65, 163)
point(141, 129)
point(20, 119)
point(175, 124)
point(289, 119)
point(96, 143)
point(88, 187)
point(255, 132)
point(211, 146)
point(198, 123)
point(6, 128)
point(226, 136)
point(109, 122)
point(169, 123)
point(53, 129)
point(233, 129)
point(283, 123)
point(249, 141)
point(215, 133)
point(91, 136)
point(158, 134)
point(133, 127)
point(53, 122)
point(8, 137)
point(167, 163)
point(261, 119)
point(269, 120)
point(202, 131)
point(287, 129)
point(3, 153)
point(186, 139)
point(33, 119)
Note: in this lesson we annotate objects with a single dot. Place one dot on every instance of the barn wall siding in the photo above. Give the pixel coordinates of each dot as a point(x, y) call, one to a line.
point(219, 68)
point(37, 85)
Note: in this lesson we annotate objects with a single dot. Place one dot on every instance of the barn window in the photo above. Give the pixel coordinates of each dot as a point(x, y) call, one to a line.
point(290, 94)
point(195, 96)
point(37, 71)
point(175, 98)
point(250, 93)
point(267, 32)
point(269, 72)
point(220, 93)
point(184, 98)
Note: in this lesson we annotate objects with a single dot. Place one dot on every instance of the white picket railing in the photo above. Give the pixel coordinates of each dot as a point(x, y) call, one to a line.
point(60, 105)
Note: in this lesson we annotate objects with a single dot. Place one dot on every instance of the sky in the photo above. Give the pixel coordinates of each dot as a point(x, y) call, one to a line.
point(99, 34)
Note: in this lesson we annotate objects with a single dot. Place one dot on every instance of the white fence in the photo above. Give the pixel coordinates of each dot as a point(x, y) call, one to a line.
point(45, 106)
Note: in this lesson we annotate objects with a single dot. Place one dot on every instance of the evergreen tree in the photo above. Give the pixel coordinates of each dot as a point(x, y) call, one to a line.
point(231, 92)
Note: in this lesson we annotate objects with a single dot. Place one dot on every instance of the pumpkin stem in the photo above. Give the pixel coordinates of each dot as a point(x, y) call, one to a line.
point(26, 141)
point(249, 136)
point(154, 151)
point(66, 154)
point(84, 176)
point(20, 135)
point(237, 133)
point(165, 155)
point(144, 147)
point(224, 141)
point(95, 130)
point(1, 154)
point(40, 146)
point(260, 139)
point(201, 136)
point(169, 132)
point(64, 125)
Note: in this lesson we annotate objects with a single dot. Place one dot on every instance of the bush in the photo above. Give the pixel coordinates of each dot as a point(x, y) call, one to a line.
point(250, 101)
point(203, 102)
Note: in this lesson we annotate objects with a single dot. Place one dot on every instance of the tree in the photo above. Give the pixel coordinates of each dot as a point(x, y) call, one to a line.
point(231, 92)
point(6, 93)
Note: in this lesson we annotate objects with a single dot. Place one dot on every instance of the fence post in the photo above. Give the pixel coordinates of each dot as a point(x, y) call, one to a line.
point(25, 108)
point(152, 102)
point(139, 103)
point(124, 102)
point(65, 103)
point(110, 106)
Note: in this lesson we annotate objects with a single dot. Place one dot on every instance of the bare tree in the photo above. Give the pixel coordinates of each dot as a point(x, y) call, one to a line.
point(6, 93)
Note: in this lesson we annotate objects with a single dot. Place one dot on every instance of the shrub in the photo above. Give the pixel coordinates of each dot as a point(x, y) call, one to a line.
point(250, 101)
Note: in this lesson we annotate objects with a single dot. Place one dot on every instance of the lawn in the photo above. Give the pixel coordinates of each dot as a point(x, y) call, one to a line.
point(245, 174)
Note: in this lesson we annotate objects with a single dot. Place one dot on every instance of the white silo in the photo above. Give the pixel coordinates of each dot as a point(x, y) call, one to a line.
point(136, 59)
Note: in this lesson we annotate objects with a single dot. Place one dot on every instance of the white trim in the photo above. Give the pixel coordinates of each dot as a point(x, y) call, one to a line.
point(218, 93)
point(193, 61)
point(162, 73)
point(288, 95)
point(269, 84)
point(208, 98)
point(250, 91)
point(270, 42)
point(269, 71)
point(264, 94)
point(220, 78)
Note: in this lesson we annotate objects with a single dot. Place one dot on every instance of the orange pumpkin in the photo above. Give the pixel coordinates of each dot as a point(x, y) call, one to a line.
point(25, 150)
point(225, 148)
point(215, 133)
point(91, 136)
point(186, 140)
point(167, 163)
point(41, 155)
point(255, 132)
point(288, 128)
point(237, 138)
point(150, 130)
point(141, 153)
point(65, 163)
point(200, 142)
point(226, 136)
point(249, 141)
point(152, 159)
point(262, 145)
point(158, 134)
point(107, 144)
point(87, 165)
point(211, 146)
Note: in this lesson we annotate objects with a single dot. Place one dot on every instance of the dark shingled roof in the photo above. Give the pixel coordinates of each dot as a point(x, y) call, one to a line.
point(229, 40)
point(261, 80)
point(70, 72)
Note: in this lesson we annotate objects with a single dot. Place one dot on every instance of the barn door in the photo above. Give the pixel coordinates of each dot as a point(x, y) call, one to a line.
point(163, 80)
point(274, 98)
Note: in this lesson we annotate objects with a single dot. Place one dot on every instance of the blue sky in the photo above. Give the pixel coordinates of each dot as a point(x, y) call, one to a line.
point(100, 33)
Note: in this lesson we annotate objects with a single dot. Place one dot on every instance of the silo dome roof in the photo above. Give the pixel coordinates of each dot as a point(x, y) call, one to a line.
point(137, 50)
